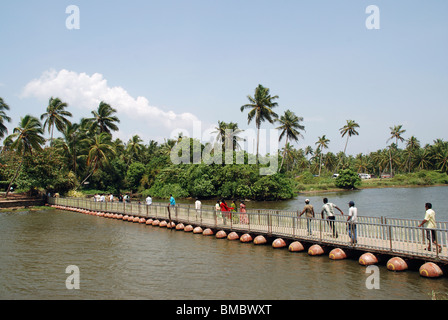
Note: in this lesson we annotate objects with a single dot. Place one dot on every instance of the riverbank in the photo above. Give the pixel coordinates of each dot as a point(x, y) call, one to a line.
point(17, 201)
point(408, 180)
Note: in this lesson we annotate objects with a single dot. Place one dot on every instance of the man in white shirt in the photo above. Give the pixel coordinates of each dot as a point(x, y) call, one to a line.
point(328, 209)
point(352, 219)
point(430, 223)
point(198, 206)
point(148, 200)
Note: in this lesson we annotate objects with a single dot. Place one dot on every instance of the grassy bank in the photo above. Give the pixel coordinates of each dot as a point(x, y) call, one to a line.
point(417, 179)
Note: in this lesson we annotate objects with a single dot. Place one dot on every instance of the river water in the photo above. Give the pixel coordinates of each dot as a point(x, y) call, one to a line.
point(119, 260)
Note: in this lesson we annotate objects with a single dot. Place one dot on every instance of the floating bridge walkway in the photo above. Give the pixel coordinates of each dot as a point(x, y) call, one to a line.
point(380, 235)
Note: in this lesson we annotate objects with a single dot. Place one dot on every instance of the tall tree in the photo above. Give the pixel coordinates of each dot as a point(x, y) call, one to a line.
point(55, 116)
point(103, 119)
point(395, 133)
point(100, 149)
point(289, 127)
point(412, 145)
point(227, 135)
point(260, 109)
point(322, 143)
point(3, 118)
point(26, 138)
point(350, 130)
point(134, 148)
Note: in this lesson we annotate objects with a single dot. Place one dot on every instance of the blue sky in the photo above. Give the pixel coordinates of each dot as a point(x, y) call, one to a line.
point(165, 64)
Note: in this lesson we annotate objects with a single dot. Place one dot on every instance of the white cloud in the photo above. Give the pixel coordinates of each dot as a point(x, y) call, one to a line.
point(84, 91)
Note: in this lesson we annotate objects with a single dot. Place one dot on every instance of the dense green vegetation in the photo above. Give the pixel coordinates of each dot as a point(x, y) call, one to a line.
point(85, 158)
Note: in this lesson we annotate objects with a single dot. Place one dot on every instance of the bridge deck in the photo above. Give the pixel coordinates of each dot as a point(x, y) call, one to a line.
point(390, 236)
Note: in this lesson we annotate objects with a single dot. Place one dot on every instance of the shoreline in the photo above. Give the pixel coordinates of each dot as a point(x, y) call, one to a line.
point(373, 187)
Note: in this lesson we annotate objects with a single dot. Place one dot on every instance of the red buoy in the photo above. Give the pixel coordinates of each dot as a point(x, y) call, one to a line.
point(337, 254)
point(149, 221)
point(246, 238)
point(396, 264)
point(260, 240)
point(171, 225)
point(368, 259)
point(163, 224)
point(279, 243)
point(233, 236)
point(207, 232)
point(155, 222)
point(315, 250)
point(221, 234)
point(188, 228)
point(142, 220)
point(180, 226)
point(296, 246)
point(197, 230)
point(430, 270)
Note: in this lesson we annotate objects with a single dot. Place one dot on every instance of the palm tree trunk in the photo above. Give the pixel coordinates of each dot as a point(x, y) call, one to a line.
point(258, 142)
point(320, 163)
point(89, 175)
point(390, 162)
point(14, 178)
point(284, 153)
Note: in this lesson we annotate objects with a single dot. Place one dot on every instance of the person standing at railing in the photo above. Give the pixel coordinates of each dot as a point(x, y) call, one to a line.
point(198, 207)
point(430, 224)
point(352, 219)
point(309, 213)
point(148, 200)
point(172, 201)
point(244, 219)
point(225, 210)
point(328, 209)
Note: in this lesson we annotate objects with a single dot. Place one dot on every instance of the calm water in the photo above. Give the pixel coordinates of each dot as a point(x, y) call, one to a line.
point(121, 260)
point(406, 203)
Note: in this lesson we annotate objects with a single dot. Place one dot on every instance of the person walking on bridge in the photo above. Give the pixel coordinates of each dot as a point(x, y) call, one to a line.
point(352, 219)
point(328, 209)
point(309, 213)
point(430, 224)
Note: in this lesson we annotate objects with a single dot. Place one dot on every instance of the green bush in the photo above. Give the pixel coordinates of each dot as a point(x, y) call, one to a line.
point(348, 179)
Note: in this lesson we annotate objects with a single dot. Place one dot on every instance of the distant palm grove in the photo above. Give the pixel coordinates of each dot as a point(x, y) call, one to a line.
point(84, 157)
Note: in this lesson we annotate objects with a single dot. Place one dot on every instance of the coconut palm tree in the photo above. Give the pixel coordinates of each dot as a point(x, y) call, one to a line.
point(55, 116)
point(227, 135)
point(26, 138)
point(322, 143)
point(396, 133)
point(350, 130)
point(134, 148)
point(440, 157)
point(68, 145)
point(3, 118)
point(290, 126)
point(99, 149)
point(103, 119)
point(260, 109)
point(412, 145)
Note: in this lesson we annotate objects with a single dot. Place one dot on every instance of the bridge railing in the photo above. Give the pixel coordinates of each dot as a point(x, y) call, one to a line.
point(376, 233)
